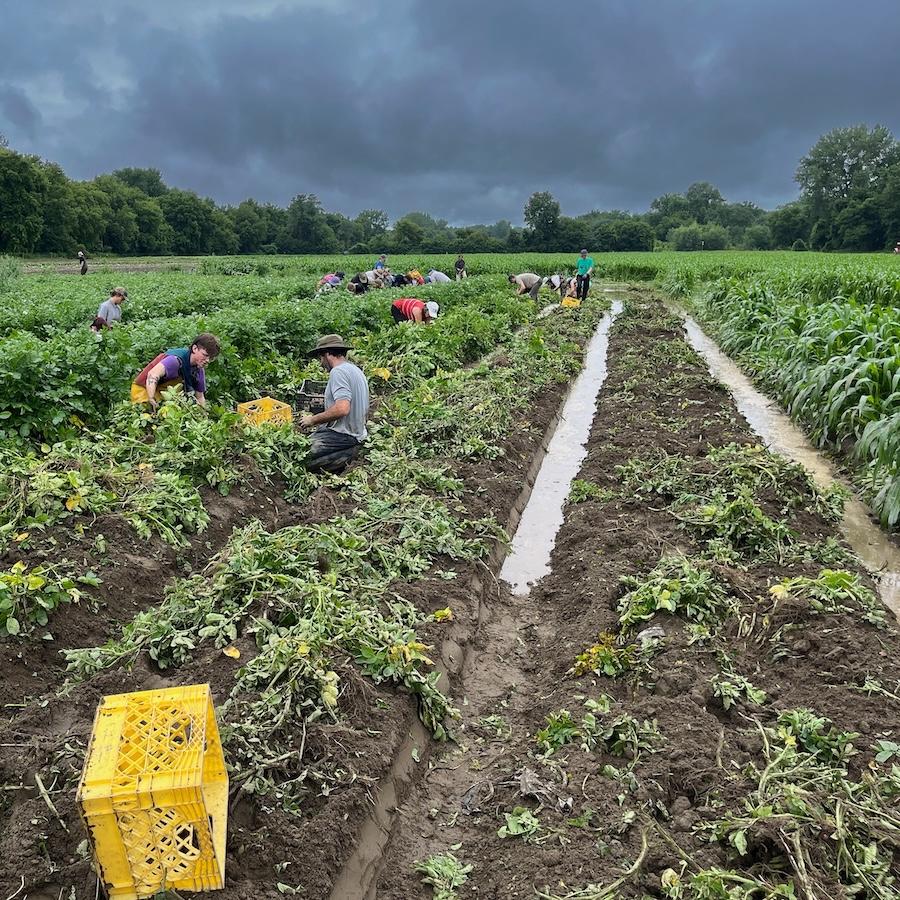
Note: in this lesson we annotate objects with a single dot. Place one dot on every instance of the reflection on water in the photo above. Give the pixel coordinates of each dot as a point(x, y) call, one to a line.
point(779, 433)
point(532, 544)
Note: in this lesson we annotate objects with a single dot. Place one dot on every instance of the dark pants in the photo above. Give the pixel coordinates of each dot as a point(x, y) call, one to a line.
point(583, 285)
point(535, 289)
point(331, 451)
point(398, 316)
point(83, 267)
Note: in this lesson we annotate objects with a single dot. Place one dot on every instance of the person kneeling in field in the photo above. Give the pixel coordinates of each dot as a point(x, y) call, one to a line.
point(408, 309)
point(181, 366)
point(341, 428)
point(527, 283)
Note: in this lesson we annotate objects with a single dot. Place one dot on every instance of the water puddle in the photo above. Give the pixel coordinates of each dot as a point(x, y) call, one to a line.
point(532, 544)
point(780, 434)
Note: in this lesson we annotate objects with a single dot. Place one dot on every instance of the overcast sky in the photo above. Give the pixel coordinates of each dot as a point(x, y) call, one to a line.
point(461, 108)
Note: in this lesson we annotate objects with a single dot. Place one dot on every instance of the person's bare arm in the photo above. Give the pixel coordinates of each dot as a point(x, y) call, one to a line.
point(418, 315)
point(200, 397)
point(154, 376)
point(340, 409)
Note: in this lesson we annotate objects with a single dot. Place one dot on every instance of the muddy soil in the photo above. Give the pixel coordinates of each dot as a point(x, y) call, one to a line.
point(133, 573)
point(623, 828)
point(47, 734)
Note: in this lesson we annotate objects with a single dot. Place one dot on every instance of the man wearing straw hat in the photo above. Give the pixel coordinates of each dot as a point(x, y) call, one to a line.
point(341, 428)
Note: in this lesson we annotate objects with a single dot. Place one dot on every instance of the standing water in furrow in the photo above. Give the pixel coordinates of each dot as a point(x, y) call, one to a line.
point(532, 544)
point(775, 428)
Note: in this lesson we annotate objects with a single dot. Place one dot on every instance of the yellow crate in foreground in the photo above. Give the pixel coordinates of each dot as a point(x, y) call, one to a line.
point(154, 792)
point(571, 302)
point(265, 410)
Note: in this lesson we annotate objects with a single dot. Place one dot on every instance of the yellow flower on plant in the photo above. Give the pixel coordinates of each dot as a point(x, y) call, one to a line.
point(73, 503)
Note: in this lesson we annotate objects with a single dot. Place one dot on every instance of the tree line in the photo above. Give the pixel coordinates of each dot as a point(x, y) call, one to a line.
point(849, 200)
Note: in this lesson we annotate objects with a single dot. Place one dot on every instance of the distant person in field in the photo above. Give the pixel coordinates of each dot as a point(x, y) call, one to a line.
point(330, 281)
point(566, 286)
point(83, 260)
point(585, 268)
point(341, 428)
point(897, 247)
point(527, 283)
point(460, 268)
point(182, 366)
point(111, 309)
point(380, 263)
point(358, 284)
point(409, 309)
point(377, 278)
point(415, 277)
point(436, 277)
point(400, 280)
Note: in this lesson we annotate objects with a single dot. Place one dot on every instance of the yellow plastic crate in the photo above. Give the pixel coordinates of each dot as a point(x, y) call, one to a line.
point(265, 410)
point(571, 302)
point(154, 792)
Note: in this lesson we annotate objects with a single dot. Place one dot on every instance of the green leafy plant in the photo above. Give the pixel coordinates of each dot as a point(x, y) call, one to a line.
point(521, 822)
point(445, 873)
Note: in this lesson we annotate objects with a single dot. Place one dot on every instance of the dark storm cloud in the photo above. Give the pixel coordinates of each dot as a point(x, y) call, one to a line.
point(457, 107)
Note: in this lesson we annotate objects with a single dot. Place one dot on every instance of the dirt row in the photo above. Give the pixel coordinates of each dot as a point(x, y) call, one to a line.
point(629, 829)
point(46, 734)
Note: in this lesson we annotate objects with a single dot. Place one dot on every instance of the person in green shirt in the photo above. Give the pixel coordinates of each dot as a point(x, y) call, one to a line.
point(585, 267)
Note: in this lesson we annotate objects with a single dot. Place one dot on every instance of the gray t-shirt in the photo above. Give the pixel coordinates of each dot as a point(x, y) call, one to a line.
point(347, 382)
point(110, 312)
point(438, 277)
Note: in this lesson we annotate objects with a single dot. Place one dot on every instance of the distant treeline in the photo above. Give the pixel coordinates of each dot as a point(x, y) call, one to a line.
point(849, 200)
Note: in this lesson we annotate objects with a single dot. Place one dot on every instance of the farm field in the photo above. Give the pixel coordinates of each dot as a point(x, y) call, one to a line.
point(696, 702)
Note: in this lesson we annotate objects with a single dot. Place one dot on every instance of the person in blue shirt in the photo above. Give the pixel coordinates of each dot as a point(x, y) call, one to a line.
point(584, 267)
point(380, 263)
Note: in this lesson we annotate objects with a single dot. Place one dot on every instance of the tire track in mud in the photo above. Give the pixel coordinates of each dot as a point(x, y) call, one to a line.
point(643, 817)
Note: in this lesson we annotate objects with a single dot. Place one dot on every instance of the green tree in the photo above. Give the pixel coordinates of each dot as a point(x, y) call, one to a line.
point(846, 161)
point(23, 191)
point(58, 231)
point(790, 223)
point(858, 225)
point(148, 181)
point(154, 233)
point(757, 237)
point(90, 209)
point(371, 223)
point(704, 202)
point(190, 220)
point(306, 229)
point(686, 237)
point(121, 228)
point(666, 213)
point(408, 235)
point(542, 218)
point(713, 237)
point(633, 234)
point(889, 205)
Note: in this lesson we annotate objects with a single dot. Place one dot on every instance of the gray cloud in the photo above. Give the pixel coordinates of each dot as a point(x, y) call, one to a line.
point(459, 108)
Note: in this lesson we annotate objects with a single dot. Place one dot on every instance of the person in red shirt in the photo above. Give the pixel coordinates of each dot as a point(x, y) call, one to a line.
point(408, 309)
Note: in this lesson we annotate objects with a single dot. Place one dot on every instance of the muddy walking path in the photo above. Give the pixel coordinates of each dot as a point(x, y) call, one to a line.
point(707, 725)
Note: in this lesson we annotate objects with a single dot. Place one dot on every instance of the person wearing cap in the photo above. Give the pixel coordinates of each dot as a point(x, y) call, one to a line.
point(409, 309)
point(527, 283)
point(584, 266)
point(109, 309)
point(341, 428)
point(460, 266)
point(182, 366)
point(83, 260)
point(380, 263)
